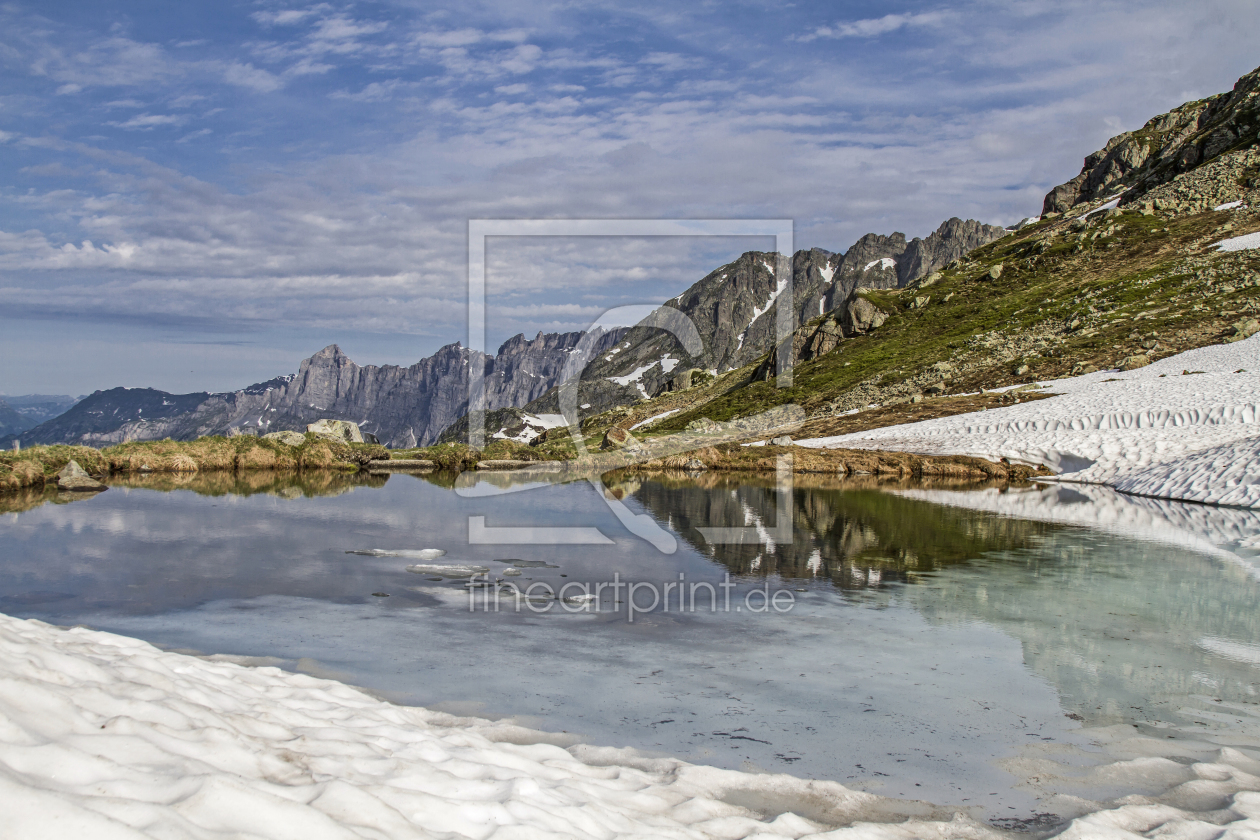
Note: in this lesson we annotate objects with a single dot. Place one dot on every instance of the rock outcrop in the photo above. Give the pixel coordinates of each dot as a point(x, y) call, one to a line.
point(1169, 145)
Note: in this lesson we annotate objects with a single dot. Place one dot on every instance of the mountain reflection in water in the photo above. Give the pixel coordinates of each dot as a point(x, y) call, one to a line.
point(855, 532)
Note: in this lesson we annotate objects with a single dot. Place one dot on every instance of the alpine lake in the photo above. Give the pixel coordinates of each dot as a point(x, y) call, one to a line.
point(999, 650)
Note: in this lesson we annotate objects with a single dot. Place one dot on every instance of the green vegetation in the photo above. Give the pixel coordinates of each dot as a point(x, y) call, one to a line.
point(1069, 295)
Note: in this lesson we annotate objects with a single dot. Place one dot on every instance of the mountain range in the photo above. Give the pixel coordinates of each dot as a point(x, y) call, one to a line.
point(403, 407)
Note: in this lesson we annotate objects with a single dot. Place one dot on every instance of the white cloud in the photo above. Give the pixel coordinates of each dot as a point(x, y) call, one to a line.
point(873, 27)
point(374, 92)
point(288, 17)
point(249, 76)
point(145, 122)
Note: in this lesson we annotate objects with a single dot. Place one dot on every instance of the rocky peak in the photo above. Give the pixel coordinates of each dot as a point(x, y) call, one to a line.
point(1169, 145)
point(954, 238)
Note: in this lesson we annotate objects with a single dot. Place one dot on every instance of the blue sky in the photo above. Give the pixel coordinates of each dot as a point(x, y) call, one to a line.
point(196, 195)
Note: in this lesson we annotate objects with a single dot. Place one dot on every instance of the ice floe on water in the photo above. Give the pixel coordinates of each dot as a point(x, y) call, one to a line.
point(1163, 430)
point(448, 569)
point(416, 553)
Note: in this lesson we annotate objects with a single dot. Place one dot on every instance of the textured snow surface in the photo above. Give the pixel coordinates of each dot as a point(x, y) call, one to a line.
point(635, 376)
point(1247, 242)
point(107, 737)
point(534, 425)
point(1135, 431)
point(1103, 208)
point(885, 263)
point(104, 737)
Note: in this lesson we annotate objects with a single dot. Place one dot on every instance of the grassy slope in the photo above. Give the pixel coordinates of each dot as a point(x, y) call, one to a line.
point(1060, 302)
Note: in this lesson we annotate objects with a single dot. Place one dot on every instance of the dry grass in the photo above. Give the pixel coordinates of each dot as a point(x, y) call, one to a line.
point(36, 467)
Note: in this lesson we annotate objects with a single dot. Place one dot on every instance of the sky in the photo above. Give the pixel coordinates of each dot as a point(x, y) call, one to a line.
point(197, 195)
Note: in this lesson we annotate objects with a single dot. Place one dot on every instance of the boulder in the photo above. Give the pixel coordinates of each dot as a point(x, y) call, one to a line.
point(617, 438)
point(1134, 362)
point(74, 478)
point(861, 316)
point(695, 465)
point(781, 440)
point(287, 438)
point(339, 430)
point(935, 389)
point(995, 272)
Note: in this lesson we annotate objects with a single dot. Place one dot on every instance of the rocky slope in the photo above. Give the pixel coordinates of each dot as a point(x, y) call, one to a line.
point(402, 406)
point(1170, 145)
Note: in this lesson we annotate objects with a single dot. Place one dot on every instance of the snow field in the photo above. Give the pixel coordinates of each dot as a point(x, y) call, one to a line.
point(1185, 427)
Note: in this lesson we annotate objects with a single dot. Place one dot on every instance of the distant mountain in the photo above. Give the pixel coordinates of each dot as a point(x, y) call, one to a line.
point(735, 308)
point(401, 406)
point(105, 411)
point(11, 422)
point(25, 411)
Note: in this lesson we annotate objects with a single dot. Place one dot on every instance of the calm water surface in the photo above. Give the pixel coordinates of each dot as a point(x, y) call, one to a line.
point(929, 645)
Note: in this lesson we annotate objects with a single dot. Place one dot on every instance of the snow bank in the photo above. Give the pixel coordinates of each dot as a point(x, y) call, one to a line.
point(105, 737)
point(1135, 431)
point(102, 736)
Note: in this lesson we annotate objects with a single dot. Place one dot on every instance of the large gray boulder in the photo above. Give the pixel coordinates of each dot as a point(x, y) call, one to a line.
point(861, 317)
point(287, 438)
point(75, 479)
point(339, 430)
point(617, 438)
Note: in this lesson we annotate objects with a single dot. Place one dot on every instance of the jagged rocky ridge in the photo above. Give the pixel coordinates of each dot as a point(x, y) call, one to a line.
point(402, 406)
point(735, 308)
